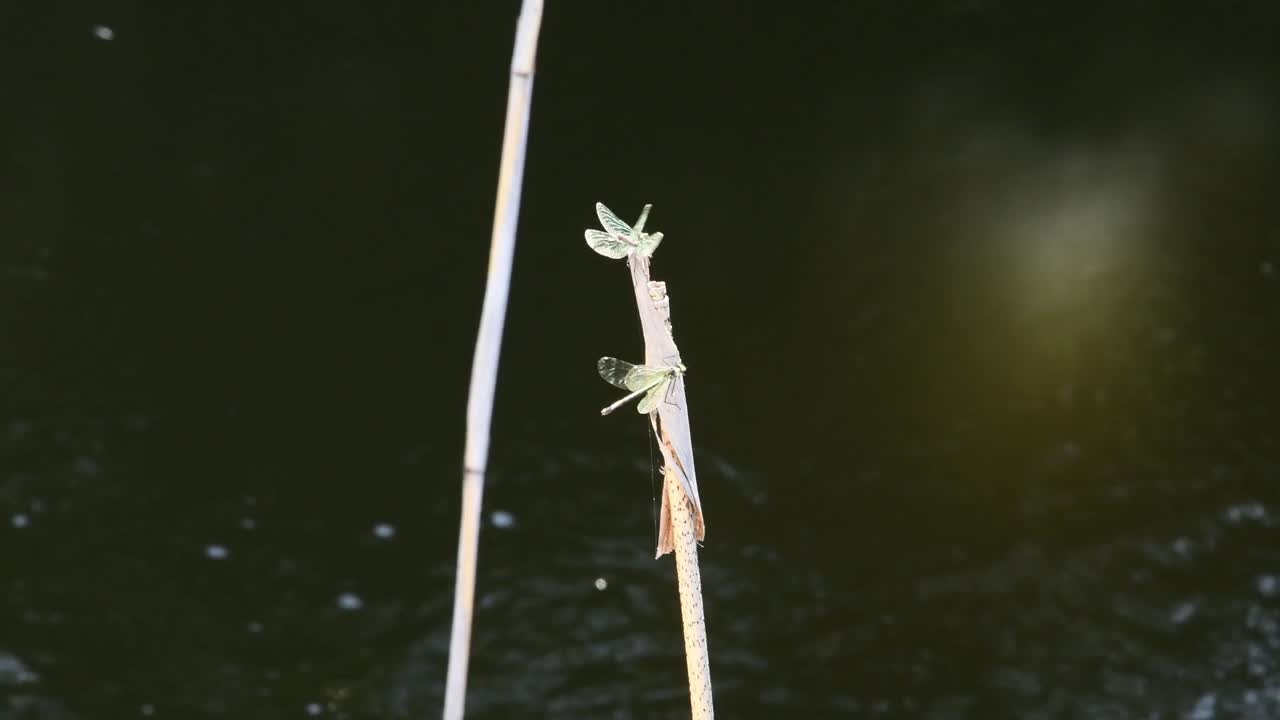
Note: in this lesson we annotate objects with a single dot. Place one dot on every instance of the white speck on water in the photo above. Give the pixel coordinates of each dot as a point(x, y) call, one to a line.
point(147, 709)
point(1183, 546)
point(601, 583)
point(1246, 511)
point(1268, 585)
point(14, 672)
point(102, 32)
point(248, 523)
point(1259, 662)
point(1182, 613)
point(216, 552)
point(350, 601)
point(1267, 268)
point(1203, 709)
point(1262, 621)
point(254, 627)
point(727, 470)
point(385, 531)
point(502, 519)
point(314, 709)
point(20, 521)
point(86, 466)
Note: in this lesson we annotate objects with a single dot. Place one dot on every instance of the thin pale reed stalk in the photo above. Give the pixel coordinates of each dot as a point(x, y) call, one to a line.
point(680, 521)
point(484, 366)
point(697, 660)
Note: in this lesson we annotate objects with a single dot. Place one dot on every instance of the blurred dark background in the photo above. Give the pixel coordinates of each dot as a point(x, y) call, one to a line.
point(979, 301)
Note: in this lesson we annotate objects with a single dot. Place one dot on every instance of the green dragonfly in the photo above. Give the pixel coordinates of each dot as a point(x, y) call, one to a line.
point(652, 382)
point(620, 239)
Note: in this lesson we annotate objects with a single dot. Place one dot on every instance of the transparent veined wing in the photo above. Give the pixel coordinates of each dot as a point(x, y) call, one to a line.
point(615, 371)
point(639, 226)
point(651, 399)
point(607, 245)
point(612, 224)
point(643, 377)
point(619, 239)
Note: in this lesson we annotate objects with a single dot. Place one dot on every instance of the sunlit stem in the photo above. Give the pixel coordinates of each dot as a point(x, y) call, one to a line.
point(484, 365)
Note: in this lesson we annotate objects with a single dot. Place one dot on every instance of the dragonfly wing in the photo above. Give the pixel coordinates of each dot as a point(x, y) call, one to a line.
point(615, 371)
point(607, 245)
point(651, 399)
point(611, 223)
point(636, 229)
point(643, 377)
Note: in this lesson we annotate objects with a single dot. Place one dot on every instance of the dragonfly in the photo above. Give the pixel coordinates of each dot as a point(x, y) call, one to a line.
point(652, 382)
point(620, 239)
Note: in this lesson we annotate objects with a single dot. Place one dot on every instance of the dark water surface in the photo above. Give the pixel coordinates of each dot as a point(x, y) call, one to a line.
point(979, 302)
